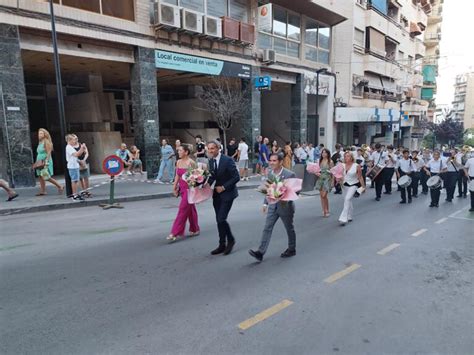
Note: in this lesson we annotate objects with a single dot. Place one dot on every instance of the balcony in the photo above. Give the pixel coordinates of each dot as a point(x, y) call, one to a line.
point(420, 50)
point(376, 63)
point(432, 39)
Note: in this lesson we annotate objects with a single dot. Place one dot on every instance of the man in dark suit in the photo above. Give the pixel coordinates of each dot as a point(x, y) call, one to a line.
point(225, 175)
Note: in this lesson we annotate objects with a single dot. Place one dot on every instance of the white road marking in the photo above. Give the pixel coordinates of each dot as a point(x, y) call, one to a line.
point(455, 213)
point(388, 249)
point(442, 220)
point(419, 232)
point(464, 218)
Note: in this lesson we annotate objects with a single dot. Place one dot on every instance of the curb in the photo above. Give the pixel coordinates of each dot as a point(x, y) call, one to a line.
point(95, 202)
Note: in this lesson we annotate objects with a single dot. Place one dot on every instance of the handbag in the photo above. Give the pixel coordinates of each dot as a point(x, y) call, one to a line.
point(39, 164)
point(44, 173)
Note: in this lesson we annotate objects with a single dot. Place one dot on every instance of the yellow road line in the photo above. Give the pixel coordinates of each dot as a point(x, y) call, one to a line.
point(265, 314)
point(442, 220)
point(419, 232)
point(388, 249)
point(341, 274)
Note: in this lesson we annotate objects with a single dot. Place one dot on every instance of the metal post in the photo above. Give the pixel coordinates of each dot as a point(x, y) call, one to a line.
point(316, 116)
point(112, 190)
point(59, 88)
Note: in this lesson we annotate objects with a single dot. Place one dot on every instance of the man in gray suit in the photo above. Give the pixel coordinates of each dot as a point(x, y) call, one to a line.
point(284, 210)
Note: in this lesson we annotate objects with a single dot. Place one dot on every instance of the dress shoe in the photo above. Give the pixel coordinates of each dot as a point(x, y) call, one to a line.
point(459, 196)
point(403, 202)
point(387, 193)
point(471, 210)
point(219, 250)
point(288, 253)
point(377, 199)
point(229, 247)
point(425, 192)
point(256, 254)
point(449, 200)
point(409, 200)
point(415, 196)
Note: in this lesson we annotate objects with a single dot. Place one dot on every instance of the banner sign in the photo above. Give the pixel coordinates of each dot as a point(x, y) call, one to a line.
point(262, 82)
point(201, 65)
point(265, 18)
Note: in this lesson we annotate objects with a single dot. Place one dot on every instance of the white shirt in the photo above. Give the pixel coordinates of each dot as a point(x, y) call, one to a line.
point(452, 165)
point(406, 165)
point(459, 158)
point(350, 176)
point(243, 151)
point(436, 166)
point(418, 165)
point(72, 161)
point(361, 158)
point(311, 154)
point(301, 153)
point(391, 163)
point(470, 167)
point(218, 159)
point(378, 158)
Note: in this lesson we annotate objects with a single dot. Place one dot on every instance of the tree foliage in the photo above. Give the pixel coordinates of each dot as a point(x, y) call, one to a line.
point(448, 131)
point(226, 101)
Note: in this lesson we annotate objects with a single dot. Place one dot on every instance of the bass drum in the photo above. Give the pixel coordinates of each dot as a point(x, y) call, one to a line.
point(404, 181)
point(434, 182)
point(375, 171)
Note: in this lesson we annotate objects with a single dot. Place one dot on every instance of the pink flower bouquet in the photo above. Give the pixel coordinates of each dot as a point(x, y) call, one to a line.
point(277, 190)
point(199, 195)
point(195, 177)
point(313, 168)
point(338, 171)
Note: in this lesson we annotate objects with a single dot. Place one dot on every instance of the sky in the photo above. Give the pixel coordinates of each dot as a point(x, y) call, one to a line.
point(456, 46)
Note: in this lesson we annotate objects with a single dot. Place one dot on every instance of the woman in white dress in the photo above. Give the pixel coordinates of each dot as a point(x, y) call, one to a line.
point(352, 181)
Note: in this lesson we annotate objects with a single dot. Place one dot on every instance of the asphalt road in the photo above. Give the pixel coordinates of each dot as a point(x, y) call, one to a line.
point(88, 281)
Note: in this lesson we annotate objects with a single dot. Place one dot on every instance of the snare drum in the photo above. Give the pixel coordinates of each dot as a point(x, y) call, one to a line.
point(404, 181)
point(434, 182)
point(470, 186)
point(375, 171)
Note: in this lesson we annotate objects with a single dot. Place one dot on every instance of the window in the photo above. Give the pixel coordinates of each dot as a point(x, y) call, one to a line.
point(195, 5)
point(236, 9)
point(317, 42)
point(285, 35)
point(124, 9)
point(359, 37)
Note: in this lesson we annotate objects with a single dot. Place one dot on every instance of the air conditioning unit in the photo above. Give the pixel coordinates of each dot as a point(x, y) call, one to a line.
point(269, 56)
point(167, 15)
point(247, 33)
point(191, 21)
point(212, 26)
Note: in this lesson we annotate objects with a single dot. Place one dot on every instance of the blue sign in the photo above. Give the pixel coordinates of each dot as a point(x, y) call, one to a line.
point(263, 82)
point(201, 65)
point(112, 165)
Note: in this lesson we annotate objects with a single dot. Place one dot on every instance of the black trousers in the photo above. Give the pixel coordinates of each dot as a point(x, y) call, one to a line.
point(472, 195)
point(222, 209)
point(415, 181)
point(388, 175)
point(338, 188)
point(379, 182)
point(423, 179)
point(450, 179)
point(405, 190)
point(435, 193)
point(462, 183)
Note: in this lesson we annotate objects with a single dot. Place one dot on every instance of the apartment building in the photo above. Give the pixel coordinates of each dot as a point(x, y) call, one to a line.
point(379, 61)
point(131, 71)
point(432, 40)
point(463, 103)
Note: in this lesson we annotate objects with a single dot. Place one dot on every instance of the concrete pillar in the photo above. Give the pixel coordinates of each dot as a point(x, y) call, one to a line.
point(252, 122)
point(145, 108)
point(14, 124)
point(299, 112)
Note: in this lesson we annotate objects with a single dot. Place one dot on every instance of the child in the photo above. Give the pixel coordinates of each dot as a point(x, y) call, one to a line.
point(73, 163)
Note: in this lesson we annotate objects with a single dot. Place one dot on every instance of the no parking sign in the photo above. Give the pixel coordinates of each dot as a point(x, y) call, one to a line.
point(112, 165)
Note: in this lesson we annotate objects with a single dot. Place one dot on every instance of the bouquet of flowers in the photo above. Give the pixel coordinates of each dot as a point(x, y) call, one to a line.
point(338, 171)
point(313, 168)
point(196, 177)
point(276, 189)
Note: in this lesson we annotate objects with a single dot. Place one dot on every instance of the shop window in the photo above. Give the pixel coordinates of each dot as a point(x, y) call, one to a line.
point(119, 8)
point(89, 5)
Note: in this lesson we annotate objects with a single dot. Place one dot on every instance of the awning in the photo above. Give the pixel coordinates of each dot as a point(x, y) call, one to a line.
point(389, 85)
point(312, 10)
point(414, 29)
point(376, 41)
point(374, 82)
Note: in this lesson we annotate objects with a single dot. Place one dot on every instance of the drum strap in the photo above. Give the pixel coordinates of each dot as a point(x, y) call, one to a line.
point(454, 166)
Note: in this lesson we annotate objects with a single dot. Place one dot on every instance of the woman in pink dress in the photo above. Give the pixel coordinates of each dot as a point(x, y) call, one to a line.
point(186, 211)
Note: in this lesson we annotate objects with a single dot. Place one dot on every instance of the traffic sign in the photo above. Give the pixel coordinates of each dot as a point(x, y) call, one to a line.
point(263, 82)
point(112, 165)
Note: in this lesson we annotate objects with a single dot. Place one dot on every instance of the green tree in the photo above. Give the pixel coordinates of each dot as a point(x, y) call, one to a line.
point(448, 132)
point(469, 137)
point(429, 141)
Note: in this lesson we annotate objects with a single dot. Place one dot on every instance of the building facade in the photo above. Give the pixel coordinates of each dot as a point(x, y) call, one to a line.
point(132, 71)
point(463, 103)
point(379, 64)
point(432, 40)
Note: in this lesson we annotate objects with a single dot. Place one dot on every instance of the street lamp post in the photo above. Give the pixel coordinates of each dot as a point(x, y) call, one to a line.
point(59, 91)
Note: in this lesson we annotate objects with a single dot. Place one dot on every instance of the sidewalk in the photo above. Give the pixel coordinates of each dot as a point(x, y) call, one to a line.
point(127, 188)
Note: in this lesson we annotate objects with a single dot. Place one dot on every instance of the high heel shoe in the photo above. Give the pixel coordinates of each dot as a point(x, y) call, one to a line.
point(60, 190)
point(194, 234)
point(171, 238)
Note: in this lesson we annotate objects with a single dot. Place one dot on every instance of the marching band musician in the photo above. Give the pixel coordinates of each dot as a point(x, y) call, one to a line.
point(418, 165)
point(360, 159)
point(461, 158)
point(469, 171)
point(434, 167)
point(451, 176)
point(389, 170)
point(405, 166)
point(424, 177)
point(378, 157)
